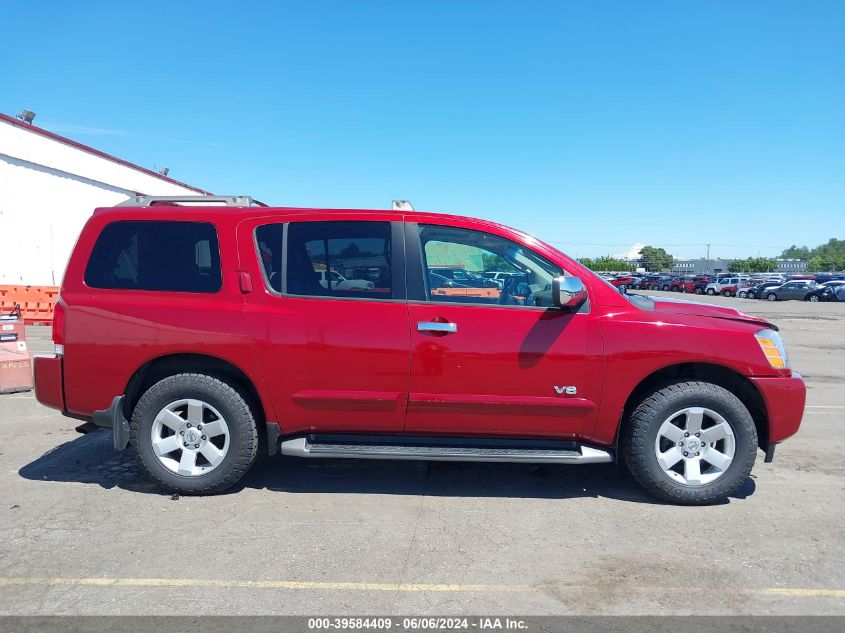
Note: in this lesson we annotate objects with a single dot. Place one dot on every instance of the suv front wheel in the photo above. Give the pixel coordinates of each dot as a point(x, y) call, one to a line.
point(194, 434)
point(692, 443)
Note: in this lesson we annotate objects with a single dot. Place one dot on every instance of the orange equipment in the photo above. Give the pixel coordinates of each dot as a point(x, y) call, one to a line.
point(36, 302)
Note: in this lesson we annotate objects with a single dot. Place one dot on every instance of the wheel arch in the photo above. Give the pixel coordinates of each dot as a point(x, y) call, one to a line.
point(713, 373)
point(161, 367)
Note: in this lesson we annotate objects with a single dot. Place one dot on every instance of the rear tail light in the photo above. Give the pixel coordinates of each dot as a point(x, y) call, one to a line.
point(59, 328)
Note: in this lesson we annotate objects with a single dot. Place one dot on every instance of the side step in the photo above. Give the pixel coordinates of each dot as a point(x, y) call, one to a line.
point(445, 449)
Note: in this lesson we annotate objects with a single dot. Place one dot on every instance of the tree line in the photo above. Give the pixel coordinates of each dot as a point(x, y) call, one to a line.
point(826, 257)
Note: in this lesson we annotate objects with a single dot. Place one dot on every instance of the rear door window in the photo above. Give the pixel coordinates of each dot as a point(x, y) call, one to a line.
point(156, 255)
point(331, 259)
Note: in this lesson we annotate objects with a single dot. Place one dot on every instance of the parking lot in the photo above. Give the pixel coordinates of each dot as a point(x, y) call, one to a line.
point(82, 533)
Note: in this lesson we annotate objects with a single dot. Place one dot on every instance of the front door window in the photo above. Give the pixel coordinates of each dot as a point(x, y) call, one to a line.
point(473, 267)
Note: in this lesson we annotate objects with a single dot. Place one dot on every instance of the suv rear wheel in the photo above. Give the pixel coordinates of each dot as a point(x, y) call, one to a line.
point(692, 443)
point(194, 434)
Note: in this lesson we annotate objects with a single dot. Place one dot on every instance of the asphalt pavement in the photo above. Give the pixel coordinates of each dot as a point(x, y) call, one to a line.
point(81, 532)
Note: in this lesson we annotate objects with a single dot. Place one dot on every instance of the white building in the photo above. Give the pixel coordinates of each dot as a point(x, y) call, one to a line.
point(49, 186)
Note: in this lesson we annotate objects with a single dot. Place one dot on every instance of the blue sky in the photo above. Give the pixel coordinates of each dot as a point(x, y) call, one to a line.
point(592, 125)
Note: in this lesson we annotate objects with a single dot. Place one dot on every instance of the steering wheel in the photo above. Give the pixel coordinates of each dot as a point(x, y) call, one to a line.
point(507, 291)
point(530, 298)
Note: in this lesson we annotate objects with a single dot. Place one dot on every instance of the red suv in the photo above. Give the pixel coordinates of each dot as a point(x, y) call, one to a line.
point(689, 283)
point(203, 334)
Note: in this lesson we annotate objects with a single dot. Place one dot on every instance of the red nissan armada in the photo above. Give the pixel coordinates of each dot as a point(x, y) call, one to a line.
point(204, 334)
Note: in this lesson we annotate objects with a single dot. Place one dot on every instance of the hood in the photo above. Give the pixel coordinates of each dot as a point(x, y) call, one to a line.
point(695, 308)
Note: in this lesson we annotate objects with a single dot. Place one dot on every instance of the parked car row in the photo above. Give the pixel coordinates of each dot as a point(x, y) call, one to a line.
point(771, 287)
point(806, 290)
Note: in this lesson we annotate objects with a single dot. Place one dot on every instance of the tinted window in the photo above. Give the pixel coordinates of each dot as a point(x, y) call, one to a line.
point(168, 256)
point(339, 259)
point(457, 263)
point(269, 239)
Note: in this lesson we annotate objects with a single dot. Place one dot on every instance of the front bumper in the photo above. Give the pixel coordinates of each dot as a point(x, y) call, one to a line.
point(784, 398)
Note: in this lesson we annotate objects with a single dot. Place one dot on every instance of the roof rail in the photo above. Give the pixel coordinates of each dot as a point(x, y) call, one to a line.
point(228, 201)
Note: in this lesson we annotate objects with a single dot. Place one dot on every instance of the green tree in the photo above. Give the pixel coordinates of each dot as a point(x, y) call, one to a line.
point(350, 251)
point(828, 257)
point(795, 252)
point(607, 263)
point(653, 258)
point(753, 265)
point(823, 258)
point(611, 263)
point(497, 263)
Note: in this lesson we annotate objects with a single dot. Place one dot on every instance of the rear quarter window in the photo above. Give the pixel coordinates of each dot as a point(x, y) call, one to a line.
point(156, 255)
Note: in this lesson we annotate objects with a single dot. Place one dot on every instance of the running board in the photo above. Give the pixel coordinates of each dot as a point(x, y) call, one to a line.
point(579, 454)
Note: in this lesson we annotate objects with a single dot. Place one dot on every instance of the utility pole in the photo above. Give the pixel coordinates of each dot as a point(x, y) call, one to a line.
point(707, 262)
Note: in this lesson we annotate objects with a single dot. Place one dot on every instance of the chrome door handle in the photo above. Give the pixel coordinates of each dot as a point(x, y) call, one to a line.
point(436, 326)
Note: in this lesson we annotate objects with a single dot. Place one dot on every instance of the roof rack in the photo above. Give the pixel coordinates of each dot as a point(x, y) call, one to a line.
point(227, 201)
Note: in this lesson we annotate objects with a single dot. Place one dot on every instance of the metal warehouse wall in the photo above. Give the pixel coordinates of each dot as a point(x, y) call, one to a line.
point(48, 189)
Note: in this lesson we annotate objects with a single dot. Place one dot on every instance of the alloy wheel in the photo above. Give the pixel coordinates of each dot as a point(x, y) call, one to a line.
point(190, 437)
point(695, 446)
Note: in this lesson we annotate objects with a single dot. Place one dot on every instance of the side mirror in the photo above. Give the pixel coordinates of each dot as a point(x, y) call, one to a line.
point(568, 292)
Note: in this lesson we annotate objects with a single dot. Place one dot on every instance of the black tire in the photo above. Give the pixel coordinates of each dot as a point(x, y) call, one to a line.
point(699, 291)
point(243, 433)
point(641, 433)
point(665, 287)
point(813, 298)
point(711, 291)
point(772, 296)
point(750, 295)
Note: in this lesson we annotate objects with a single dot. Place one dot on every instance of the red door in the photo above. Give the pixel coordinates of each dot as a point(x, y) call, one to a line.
point(329, 320)
point(497, 361)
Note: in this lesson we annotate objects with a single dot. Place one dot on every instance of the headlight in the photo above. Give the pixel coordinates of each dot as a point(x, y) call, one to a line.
point(772, 345)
